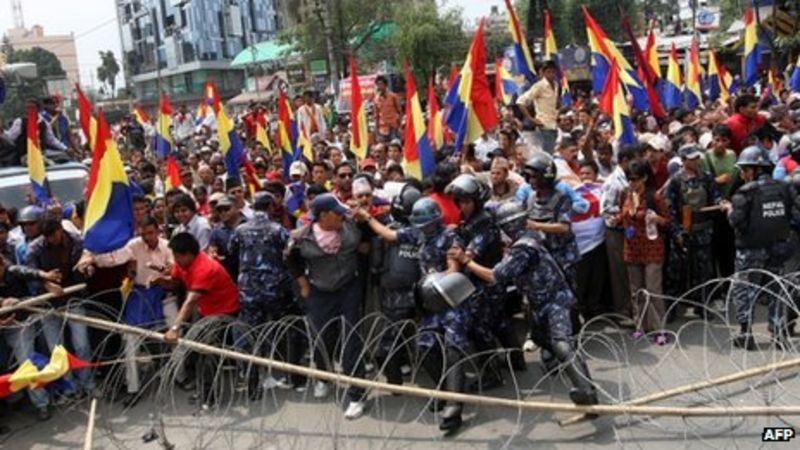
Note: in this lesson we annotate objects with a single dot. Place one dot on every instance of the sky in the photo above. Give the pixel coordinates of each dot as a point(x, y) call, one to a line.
point(92, 21)
point(95, 27)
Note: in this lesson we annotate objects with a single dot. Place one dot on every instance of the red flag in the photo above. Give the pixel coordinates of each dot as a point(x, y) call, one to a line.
point(646, 73)
point(452, 77)
point(84, 112)
point(483, 105)
point(358, 116)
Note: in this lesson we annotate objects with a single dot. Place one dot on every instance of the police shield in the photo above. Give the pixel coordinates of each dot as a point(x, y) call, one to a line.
point(441, 291)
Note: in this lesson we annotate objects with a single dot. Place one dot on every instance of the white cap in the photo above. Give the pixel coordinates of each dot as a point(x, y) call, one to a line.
point(298, 168)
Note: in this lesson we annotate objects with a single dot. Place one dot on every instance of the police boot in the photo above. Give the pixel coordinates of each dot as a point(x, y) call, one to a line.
point(549, 361)
point(432, 362)
point(745, 338)
point(451, 414)
point(489, 376)
point(509, 341)
point(582, 392)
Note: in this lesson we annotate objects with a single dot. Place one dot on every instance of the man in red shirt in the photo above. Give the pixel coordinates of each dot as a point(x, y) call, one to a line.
point(744, 121)
point(208, 285)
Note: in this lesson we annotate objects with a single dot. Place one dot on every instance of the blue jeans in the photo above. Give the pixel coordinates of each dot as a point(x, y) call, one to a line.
point(53, 330)
point(332, 316)
point(549, 140)
point(20, 339)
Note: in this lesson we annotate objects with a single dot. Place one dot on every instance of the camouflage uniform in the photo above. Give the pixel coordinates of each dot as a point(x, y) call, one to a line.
point(557, 208)
point(452, 325)
point(487, 306)
point(691, 265)
point(763, 246)
point(538, 277)
point(265, 287)
point(398, 269)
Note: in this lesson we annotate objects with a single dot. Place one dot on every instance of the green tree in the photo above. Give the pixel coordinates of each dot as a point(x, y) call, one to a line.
point(47, 64)
point(19, 90)
point(108, 70)
point(605, 12)
point(430, 39)
point(352, 25)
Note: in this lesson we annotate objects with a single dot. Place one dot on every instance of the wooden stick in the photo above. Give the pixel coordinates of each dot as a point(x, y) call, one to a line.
point(340, 379)
point(39, 299)
point(674, 392)
point(87, 442)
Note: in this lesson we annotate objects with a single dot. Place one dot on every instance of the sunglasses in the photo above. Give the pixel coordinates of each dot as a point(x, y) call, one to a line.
point(345, 175)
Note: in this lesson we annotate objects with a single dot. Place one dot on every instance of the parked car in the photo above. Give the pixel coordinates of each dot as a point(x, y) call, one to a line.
point(67, 184)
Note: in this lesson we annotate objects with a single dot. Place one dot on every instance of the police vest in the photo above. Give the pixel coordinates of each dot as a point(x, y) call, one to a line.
point(696, 198)
point(768, 221)
point(400, 265)
point(483, 223)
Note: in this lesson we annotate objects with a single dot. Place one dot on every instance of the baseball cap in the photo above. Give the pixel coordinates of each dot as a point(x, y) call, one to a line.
point(224, 201)
point(298, 168)
point(368, 162)
point(216, 197)
point(690, 151)
point(327, 203)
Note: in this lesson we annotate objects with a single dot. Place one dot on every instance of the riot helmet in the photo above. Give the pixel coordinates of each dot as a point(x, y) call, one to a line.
point(426, 216)
point(403, 203)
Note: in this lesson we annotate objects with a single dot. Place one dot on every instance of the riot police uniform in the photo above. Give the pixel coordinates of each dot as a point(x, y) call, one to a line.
point(483, 241)
point(264, 282)
point(543, 282)
point(553, 207)
point(762, 215)
point(447, 328)
point(398, 271)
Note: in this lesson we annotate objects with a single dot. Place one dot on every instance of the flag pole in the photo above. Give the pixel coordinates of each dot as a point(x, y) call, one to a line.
point(88, 440)
point(482, 400)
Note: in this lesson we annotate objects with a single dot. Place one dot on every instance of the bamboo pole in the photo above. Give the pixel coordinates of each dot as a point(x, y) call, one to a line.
point(88, 440)
point(39, 299)
point(340, 379)
point(693, 387)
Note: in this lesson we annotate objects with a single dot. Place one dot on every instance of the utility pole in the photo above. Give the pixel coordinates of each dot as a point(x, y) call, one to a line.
point(333, 62)
point(125, 72)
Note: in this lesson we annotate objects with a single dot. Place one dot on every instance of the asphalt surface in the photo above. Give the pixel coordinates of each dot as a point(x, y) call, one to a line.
point(623, 369)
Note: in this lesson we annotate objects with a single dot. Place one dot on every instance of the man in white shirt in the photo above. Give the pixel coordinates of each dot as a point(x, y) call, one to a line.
point(311, 116)
point(147, 304)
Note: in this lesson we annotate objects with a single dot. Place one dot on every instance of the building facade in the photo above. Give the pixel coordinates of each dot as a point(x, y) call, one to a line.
point(62, 45)
point(177, 45)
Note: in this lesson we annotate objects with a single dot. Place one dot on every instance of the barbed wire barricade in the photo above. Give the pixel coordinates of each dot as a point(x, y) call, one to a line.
point(698, 388)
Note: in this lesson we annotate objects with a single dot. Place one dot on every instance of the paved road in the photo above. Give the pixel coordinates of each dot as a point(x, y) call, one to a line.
point(624, 369)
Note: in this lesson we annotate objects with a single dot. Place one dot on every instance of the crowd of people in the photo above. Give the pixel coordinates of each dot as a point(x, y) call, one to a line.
point(547, 218)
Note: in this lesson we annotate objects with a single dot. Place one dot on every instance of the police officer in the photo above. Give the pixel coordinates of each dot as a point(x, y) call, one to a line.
point(265, 285)
point(483, 243)
point(549, 213)
point(689, 193)
point(398, 271)
point(447, 327)
point(761, 213)
point(549, 219)
point(540, 278)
